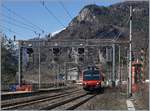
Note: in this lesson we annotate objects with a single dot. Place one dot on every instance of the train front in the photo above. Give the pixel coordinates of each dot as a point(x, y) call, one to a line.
point(92, 80)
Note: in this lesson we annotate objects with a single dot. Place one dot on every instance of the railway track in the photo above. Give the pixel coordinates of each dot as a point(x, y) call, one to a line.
point(63, 101)
point(68, 101)
point(75, 99)
point(15, 95)
point(27, 101)
point(73, 104)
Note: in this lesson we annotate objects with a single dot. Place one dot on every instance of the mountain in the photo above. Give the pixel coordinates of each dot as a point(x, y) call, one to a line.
point(99, 22)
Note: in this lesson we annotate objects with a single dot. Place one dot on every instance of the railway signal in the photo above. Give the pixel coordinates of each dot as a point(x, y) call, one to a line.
point(81, 52)
point(56, 51)
point(29, 50)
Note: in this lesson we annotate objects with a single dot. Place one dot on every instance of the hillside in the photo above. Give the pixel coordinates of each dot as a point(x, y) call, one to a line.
point(99, 22)
point(107, 22)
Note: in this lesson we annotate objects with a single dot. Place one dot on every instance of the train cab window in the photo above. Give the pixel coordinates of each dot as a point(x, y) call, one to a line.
point(91, 75)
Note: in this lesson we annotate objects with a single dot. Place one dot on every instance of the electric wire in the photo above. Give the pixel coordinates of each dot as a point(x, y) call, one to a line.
point(21, 17)
point(51, 13)
point(10, 30)
point(117, 37)
point(20, 22)
point(63, 6)
point(19, 26)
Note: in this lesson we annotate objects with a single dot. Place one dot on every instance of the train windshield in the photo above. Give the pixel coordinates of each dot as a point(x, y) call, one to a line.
point(91, 75)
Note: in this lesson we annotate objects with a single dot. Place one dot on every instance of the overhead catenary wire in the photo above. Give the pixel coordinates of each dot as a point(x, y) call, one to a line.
point(10, 30)
point(20, 22)
point(117, 37)
point(63, 6)
point(19, 26)
point(51, 13)
point(23, 18)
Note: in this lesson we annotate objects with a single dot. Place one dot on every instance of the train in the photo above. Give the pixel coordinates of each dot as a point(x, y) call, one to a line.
point(93, 79)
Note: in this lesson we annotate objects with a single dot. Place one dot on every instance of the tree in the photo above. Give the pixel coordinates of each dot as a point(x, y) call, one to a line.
point(8, 60)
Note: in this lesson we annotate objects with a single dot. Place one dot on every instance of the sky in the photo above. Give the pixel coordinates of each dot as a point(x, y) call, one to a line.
point(27, 18)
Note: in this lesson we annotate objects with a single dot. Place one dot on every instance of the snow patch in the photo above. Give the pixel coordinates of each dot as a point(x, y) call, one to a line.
point(56, 32)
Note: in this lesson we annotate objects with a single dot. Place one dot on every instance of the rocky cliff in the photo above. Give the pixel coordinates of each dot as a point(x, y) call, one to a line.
point(108, 22)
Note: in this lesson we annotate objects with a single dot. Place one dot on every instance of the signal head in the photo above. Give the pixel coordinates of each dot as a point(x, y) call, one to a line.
point(80, 50)
point(56, 51)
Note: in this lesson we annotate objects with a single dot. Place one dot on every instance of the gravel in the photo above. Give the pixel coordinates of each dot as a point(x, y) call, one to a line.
point(111, 99)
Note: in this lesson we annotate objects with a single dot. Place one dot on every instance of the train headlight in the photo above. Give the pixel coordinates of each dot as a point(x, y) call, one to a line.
point(85, 83)
point(97, 83)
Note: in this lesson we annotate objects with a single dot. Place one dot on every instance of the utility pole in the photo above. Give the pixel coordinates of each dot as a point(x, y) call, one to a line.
point(19, 63)
point(121, 70)
point(39, 64)
point(75, 56)
point(119, 73)
point(99, 56)
point(113, 70)
point(66, 72)
point(130, 56)
point(20, 49)
point(20, 76)
point(59, 67)
point(57, 70)
point(1, 35)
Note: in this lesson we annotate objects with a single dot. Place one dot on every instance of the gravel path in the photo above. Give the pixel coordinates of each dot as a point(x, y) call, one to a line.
point(111, 99)
point(141, 99)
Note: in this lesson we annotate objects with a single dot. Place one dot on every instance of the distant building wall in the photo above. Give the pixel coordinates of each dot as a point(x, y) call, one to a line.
point(73, 75)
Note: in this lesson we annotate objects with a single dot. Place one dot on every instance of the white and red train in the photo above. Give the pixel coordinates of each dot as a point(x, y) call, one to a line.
point(93, 79)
